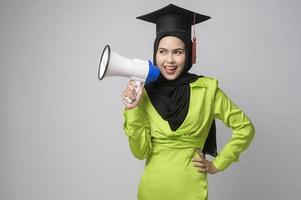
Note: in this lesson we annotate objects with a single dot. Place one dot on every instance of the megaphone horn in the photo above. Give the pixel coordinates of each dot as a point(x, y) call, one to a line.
point(113, 64)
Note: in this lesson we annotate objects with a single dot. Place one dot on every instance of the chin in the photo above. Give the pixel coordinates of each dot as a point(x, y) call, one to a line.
point(170, 77)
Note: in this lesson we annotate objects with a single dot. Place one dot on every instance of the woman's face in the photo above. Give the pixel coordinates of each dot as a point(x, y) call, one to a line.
point(170, 57)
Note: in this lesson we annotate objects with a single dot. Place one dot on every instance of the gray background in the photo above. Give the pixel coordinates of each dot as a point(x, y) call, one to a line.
point(61, 129)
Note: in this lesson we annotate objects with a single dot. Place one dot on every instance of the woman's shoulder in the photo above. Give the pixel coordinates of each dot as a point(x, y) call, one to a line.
point(205, 81)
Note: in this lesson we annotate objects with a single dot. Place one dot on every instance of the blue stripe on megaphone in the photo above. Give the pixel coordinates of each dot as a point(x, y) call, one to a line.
point(153, 72)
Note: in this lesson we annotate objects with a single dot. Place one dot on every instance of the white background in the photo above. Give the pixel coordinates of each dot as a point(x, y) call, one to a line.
point(61, 134)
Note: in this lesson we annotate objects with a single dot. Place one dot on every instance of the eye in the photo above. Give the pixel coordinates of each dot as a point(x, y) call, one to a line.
point(179, 52)
point(162, 51)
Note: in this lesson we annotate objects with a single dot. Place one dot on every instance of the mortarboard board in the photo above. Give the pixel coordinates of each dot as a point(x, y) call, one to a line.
point(174, 18)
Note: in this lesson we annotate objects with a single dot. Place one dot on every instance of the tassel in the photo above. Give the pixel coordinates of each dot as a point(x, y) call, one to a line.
point(193, 43)
point(193, 50)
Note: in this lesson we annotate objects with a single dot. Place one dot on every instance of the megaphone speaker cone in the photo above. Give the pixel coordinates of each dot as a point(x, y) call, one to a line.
point(104, 62)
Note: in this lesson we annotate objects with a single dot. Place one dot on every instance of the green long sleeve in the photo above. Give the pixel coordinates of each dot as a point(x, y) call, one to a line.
point(242, 130)
point(137, 129)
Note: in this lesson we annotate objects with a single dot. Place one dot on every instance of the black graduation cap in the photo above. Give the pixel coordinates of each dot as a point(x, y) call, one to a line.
point(173, 18)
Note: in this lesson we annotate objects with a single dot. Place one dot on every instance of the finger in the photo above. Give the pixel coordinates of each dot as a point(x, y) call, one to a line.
point(202, 170)
point(200, 165)
point(139, 93)
point(200, 153)
point(128, 100)
point(130, 92)
point(132, 82)
point(203, 159)
point(131, 89)
point(204, 166)
point(197, 159)
point(130, 96)
point(131, 86)
point(127, 92)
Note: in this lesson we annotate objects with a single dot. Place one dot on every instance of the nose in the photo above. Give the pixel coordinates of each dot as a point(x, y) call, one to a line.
point(170, 58)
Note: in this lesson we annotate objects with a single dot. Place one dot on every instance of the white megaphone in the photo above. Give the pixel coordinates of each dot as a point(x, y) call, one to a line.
point(113, 64)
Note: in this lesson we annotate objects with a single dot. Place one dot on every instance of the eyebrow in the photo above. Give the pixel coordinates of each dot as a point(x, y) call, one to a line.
point(162, 48)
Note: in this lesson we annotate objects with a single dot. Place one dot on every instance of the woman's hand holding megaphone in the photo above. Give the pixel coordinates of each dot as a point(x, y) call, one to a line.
point(132, 94)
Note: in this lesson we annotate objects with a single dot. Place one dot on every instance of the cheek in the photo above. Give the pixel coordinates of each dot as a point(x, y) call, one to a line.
point(159, 60)
point(181, 64)
point(180, 69)
point(157, 56)
point(181, 60)
point(159, 63)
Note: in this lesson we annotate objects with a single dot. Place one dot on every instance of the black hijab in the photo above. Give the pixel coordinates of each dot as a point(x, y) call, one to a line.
point(171, 98)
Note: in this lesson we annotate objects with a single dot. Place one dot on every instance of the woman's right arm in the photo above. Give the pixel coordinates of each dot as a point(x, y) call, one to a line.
point(136, 125)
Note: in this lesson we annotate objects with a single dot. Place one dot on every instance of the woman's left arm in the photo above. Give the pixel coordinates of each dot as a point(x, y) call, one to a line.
point(242, 130)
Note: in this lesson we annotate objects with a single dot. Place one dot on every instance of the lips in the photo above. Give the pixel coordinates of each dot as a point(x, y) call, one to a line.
point(170, 69)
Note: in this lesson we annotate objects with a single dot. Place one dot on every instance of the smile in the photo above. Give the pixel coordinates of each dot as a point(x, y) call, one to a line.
point(170, 69)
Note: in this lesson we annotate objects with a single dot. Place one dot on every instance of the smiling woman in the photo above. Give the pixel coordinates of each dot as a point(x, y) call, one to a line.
point(171, 121)
point(170, 57)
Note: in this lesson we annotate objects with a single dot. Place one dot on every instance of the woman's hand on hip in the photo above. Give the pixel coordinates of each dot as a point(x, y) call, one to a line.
point(203, 165)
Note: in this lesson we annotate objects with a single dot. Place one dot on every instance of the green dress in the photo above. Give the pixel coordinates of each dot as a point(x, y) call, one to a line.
point(169, 173)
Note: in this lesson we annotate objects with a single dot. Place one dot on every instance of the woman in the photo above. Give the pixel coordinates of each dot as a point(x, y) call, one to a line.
point(170, 119)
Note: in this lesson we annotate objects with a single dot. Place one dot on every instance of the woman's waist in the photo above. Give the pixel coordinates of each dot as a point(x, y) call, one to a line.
point(167, 158)
point(177, 142)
